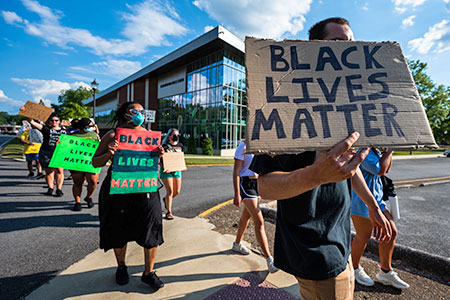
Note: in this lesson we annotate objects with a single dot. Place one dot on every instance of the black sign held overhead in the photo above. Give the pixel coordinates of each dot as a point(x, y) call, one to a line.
point(309, 95)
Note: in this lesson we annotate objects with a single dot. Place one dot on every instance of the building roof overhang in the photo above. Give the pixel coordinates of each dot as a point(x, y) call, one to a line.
point(212, 40)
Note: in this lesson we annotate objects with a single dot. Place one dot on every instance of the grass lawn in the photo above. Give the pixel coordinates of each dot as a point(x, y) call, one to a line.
point(419, 152)
point(208, 161)
point(14, 149)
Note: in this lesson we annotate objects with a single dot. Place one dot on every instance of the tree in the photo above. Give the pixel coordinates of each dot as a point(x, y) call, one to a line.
point(207, 146)
point(71, 103)
point(435, 99)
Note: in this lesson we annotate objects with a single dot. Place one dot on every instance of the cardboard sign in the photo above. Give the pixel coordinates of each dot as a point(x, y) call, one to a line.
point(74, 153)
point(36, 111)
point(309, 95)
point(173, 161)
point(135, 163)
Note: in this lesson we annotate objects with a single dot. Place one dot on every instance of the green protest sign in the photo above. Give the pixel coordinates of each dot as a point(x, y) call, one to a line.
point(74, 153)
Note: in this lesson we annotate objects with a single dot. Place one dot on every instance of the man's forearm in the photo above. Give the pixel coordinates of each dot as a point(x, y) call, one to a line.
point(285, 185)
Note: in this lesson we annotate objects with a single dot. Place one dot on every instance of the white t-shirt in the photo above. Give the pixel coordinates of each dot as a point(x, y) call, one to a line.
point(246, 158)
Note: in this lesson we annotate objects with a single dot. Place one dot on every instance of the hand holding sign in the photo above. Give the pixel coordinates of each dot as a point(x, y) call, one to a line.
point(35, 111)
point(339, 163)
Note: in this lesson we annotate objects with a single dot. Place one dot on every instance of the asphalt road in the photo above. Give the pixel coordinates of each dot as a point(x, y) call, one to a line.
point(40, 236)
point(4, 139)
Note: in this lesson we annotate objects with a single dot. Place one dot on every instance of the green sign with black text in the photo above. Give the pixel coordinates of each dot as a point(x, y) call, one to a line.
point(74, 153)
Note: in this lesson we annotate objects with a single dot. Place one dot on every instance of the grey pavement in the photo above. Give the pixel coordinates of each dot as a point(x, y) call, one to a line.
point(193, 262)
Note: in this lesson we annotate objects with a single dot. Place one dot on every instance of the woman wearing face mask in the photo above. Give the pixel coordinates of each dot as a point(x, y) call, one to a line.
point(51, 132)
point(172, 180)
point(128, 217)
point(84, 128)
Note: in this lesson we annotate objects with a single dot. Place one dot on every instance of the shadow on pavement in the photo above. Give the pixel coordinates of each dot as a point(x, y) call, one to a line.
point(74, 220)
point(8, 285)
point(31, 206)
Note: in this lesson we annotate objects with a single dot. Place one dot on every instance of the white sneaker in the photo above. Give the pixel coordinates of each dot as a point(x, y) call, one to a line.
point(270, 265)
point(391, 278)
point(361, 277)
point(240, 248)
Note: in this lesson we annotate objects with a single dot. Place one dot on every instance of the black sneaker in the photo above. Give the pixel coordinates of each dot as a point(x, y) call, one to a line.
point(59, 193)
point(40, 175)
point(122, 275)
point(49, 192)
point(152, 280)
point(31, 174)
point(77, 207)
point(89, 201)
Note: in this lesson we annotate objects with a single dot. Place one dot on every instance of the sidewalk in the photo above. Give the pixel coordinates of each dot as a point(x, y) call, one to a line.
point(194, 262)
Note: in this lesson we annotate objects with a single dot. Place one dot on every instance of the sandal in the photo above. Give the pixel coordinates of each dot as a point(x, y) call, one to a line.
point(169, 216)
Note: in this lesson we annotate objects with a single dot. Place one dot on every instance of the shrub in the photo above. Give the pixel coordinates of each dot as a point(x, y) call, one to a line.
point(207, 146)
point(192, 145)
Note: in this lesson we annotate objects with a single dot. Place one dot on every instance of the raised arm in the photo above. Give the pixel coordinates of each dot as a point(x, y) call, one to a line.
point(35, 124)
point(385, 163)
point(108, 145)
point(338, 164)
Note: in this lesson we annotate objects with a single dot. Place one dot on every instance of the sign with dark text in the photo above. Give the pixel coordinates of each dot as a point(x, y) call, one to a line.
point(309, 95)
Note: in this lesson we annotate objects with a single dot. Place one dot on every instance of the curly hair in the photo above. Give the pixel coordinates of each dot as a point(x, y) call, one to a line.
point(119, 117)
point(317, 31)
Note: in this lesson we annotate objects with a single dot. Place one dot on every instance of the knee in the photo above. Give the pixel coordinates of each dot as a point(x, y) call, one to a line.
point(175, 193)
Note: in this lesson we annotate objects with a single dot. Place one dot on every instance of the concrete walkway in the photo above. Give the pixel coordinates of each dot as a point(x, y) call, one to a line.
point(193, 262)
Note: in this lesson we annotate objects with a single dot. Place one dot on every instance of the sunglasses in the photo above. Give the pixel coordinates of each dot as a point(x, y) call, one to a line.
point(54, 120)
point(135, 111)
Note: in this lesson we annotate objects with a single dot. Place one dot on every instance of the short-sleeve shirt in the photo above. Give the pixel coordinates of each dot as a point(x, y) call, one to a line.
point(312, 237)
point(247, 160)
point(173, 148)
point(51, 137)
point(29, 149)
point(93, 136)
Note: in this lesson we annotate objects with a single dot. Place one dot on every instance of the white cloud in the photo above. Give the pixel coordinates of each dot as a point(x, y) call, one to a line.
point(148, 24)
point(11, 17)
point(42, 89)
point(117, 68)
point(264, 18)
point(402, 6)
point(437, 37)
point(9, 105)
point(409, 21)
point(208, 28)
point(366, 6)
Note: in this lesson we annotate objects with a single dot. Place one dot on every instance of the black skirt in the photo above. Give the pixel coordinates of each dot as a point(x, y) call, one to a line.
point(129, 217)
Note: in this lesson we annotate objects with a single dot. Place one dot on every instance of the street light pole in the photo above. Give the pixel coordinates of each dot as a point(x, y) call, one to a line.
point(94, 86)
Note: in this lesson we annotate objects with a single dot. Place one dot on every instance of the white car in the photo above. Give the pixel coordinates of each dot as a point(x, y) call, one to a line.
point(447, 153)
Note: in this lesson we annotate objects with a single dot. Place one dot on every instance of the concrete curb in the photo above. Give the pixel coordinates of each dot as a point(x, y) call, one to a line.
point(418, 259)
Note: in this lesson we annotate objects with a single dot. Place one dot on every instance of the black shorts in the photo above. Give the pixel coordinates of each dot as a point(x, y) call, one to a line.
point(249, 188)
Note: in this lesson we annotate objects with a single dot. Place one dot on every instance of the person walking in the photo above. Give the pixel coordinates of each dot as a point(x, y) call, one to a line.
point(128, 217)
point(375, 165)
point(51, 132)
point(246, 191)
point(171, 180)
point(86, 130)
point(31, 151)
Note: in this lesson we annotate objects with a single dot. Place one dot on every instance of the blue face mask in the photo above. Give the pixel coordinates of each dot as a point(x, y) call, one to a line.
point(138, 119)
point(89, 129)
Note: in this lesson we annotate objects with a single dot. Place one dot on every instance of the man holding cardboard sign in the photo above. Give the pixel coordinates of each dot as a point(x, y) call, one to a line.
point(312, 240)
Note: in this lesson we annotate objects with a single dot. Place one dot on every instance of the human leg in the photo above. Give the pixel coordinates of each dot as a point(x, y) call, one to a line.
point(77, 187)
point(387, 275)
point(92, 180)
point(149, 276)
point(168, 185)
point(121, 272)
point(363, 228)
point(252, 207)
point(59, 174)
point(176, 189)
point(49, 178)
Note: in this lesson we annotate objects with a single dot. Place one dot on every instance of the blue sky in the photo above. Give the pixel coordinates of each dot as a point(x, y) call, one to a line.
point(47, 45)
